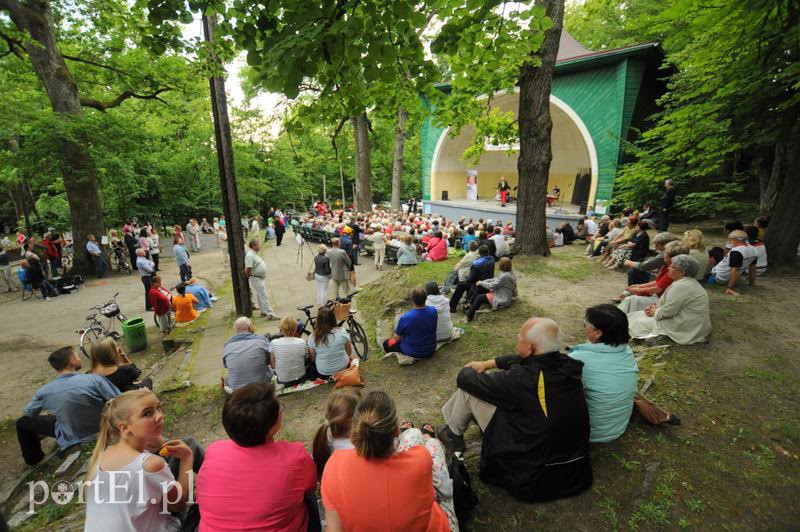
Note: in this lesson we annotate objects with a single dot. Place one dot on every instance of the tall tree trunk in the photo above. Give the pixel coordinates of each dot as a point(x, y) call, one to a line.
point(363, 197)
point(80, 181)
point(397, 167)
point(227, 179)
point(535, 126)
point(783, 234)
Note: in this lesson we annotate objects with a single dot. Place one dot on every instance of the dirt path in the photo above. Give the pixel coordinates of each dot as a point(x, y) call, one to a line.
point(288, 289)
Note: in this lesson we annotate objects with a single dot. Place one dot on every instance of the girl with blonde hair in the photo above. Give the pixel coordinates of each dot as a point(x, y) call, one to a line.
point(129, 487)
point(693, 238)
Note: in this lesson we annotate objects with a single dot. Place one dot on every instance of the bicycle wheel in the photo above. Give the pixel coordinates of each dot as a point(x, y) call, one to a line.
point(359, 339)
point(90, 336)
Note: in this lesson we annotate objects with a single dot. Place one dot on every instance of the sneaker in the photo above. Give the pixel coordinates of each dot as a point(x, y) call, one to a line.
point(450, 439)
point(272, 317)
point(47, 299)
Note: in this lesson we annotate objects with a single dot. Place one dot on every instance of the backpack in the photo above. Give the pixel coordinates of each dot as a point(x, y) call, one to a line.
point(464, 498)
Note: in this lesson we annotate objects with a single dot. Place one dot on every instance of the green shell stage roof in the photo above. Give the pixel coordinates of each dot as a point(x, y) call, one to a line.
point(608, 93)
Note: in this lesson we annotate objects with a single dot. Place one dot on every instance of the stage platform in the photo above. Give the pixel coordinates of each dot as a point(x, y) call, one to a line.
point(491, 210)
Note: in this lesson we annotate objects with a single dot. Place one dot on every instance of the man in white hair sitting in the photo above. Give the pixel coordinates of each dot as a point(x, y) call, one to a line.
point(533, 416)
point(246, 356)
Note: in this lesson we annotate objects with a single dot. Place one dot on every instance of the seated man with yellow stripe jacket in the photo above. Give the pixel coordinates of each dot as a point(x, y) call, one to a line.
point(533, 416)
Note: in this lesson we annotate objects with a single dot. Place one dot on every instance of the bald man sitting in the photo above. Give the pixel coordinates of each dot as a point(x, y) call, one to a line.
point(533, 416)
point(246, 356)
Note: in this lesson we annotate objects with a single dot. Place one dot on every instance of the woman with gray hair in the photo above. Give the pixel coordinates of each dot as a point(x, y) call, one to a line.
point(683, 312)
point(638, 296)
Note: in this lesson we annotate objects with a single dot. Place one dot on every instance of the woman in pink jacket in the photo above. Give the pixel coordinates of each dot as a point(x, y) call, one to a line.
point(437, 247)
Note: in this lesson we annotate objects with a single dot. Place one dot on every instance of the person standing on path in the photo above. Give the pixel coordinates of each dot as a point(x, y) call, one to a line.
point(666, 204)
point(194, 230)
point(322, 274)
point(100, 266)
point(340, 269)
point(5, 269)
point(182, 260)
point(147, 269)
point(130, 242)
point(280, 228)
point(256, 272)
point(155, 246)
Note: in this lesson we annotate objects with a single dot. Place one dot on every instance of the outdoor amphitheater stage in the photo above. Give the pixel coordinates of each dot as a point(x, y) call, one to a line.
point(491, 210)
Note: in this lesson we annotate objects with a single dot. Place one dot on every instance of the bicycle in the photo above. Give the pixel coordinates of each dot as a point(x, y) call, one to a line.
point(118, 260)
point(96, 330)
point(357, 335)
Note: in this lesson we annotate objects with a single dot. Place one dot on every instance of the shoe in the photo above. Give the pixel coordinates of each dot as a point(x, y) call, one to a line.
point(272, 317)
point(450, 439)
point(673, 420)
point(47, 299)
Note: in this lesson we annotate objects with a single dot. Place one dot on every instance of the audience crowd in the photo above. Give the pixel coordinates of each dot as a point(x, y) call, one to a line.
point(538, 410)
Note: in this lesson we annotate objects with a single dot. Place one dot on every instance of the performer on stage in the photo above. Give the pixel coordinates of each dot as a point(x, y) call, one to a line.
point(502, 189)
point(553, 196)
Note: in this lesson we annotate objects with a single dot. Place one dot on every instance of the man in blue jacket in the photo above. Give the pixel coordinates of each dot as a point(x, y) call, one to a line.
point(481, 269)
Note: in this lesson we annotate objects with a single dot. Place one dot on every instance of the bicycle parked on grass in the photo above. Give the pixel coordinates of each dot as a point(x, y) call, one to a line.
point(357, 335)
point(96, 329)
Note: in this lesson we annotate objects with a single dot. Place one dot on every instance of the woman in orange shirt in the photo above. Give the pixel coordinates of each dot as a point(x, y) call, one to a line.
point(373, 488)
point(184, 305)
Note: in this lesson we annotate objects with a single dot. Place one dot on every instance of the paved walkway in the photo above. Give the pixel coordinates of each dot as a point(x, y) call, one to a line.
point(288, 289)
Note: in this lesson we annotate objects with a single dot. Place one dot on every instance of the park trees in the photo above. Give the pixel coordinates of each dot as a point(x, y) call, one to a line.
point(494, 47)
point(33, 36)
point(729, 130)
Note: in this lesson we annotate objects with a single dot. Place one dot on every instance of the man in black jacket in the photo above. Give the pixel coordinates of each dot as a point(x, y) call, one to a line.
point(481, 269)
point(533, 416)
point(667, 203)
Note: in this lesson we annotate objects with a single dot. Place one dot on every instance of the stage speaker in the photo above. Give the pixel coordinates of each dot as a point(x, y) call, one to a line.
point(582, 209)
point(444, 195)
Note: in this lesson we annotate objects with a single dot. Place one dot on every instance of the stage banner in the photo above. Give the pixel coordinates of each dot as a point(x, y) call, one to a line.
point(472, 185)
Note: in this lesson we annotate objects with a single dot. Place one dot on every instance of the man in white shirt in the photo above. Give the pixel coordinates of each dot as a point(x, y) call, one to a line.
point(741, 258)
point(501, 246)
point(256, 272)
point(591, 227)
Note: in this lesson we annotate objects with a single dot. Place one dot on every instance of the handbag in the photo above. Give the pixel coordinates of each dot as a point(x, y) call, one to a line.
point(348, 377)
point(310, 273)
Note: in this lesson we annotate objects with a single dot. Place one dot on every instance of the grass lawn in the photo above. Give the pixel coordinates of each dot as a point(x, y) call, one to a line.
point(732, 465)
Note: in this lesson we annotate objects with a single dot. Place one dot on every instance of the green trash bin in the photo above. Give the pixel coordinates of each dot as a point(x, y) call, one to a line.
point(135, 332)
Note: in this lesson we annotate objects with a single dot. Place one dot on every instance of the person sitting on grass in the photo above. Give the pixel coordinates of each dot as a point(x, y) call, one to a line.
point(728, 267)
point(74, 401)
point(533, 416)
point(131, 487)
point(329, 346)
point(373, 487)
point(339, 410)
point(610, 374)
point(205, 299)
point(254, 481)
point(161, 300)
point(497, 292)
point(437, 248)
point(407, 252)
point(639, 272)
point(638, 296)
point(110, 361)
point(444, 323)
point(289, 355)
point(469, 237)
point(184, 305)
point(480, 270)
point(761, 250)
point(461, 269)
point(415, 334)
point(682, 313)
point(245, 356)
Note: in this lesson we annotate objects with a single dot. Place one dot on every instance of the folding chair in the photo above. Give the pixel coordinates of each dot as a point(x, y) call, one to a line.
point(27, 287)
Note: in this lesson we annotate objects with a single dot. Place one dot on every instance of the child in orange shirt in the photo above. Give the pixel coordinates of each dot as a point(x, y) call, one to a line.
point(184, 305)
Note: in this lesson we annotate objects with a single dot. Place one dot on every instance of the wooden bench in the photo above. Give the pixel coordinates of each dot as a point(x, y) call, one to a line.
point(391, 255)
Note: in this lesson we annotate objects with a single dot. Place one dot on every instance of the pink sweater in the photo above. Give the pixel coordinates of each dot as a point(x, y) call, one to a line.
point(437, 249)
point(255, 488)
